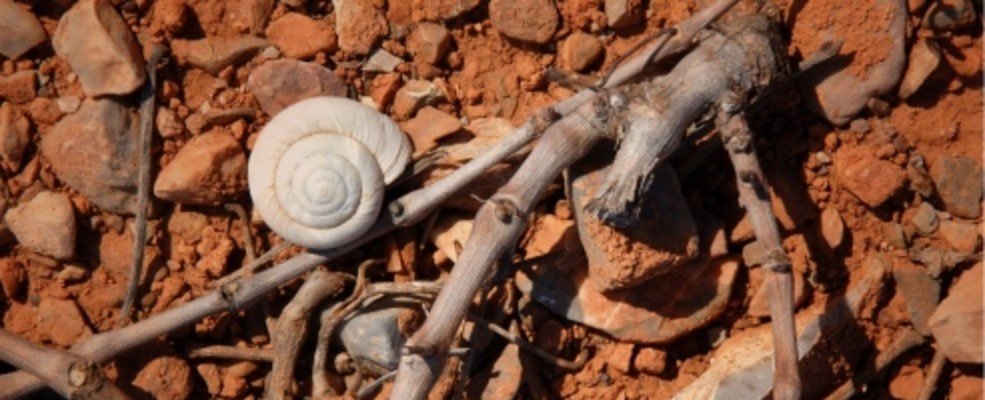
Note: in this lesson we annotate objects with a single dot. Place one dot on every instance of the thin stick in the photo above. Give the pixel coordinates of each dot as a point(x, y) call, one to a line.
point(248, 243)
point(233, 353)
point(252, 266)
point(903, 342)
point(933, 375)
point(367, 390)
point(147, 105)
point(556, 361)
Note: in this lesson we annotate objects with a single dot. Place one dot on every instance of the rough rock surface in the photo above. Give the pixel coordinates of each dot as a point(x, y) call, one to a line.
point(429, 42)
point(429, 126)
point(45, 224)
point(623, 13)
point(13, 137)
point(412, 96)
point(99, 46)
point(527, 20)
point(580, 50)
point(19, 87)
point(280, 83)
point(209, 169)
point(20, 30)
point(94, 151)
point(359, 25)
point(870, 179)
point(298, 36)
point(61, 321)
point(959, 183)
point(957, 322)
point(921, 293)
point(963, 236)
point(212, 54)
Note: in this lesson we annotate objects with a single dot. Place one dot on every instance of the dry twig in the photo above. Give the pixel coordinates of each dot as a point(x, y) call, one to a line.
point(233, 353)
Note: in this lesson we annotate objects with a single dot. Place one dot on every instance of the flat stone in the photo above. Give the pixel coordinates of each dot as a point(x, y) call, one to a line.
point(629, 256)
point(375, 336)
point(298, 36)
point(94, 151)
point(359, 25)
point(957, 322)
point(45, 225)
point(209, 169)
point(963, 236)
point(61, 321)
point(580, 51)
point(925, 219)
point(959, 183)
point(925, 56)
point(921, 293)
point(279, 83)
point(526, 20)
point(870, 179)
point(412, 96)
point(19, 87)
point(428, 127)
point(383, 88)
point(20, 30)
point(13, 137)
point(429, 42)
point(99, 46)
point(623, 13)
point(435, 10)
point(381, 61)
point(213, 54)
point(832, 227)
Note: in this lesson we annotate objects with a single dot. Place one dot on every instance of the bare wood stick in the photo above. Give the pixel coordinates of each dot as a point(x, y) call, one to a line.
point(551, 359)
point(366, 390)
point(148, 95)
point(903, 342)
point(933, 375)
point(292, 329)
point(754, 195)
point(248, 244)
point(68, 374)
point(233, 353)
point(253, 265)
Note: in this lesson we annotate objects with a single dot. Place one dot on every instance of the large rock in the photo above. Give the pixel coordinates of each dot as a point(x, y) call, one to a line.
point(213, 54)
point(527, 20)
point(20, 30)
point(45, 224)
point(957, 323)
point(359, 25)
point(959, 183)
point(280, 83)
point(209, 169)
point(94, 151)
point(98, 45)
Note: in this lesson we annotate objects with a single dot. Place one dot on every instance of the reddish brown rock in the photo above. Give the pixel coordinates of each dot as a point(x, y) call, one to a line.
point(250, 16)
point(412, 96)
point(20, 30)
point(21, 87)
point(209, 169)
point(359, 24)
point(94, 151)
point(168, 16)
point(429, 126)
point(429, 42)
point(580, 50)
point(383, 88)
point(99, 46)
point(623, 13)
point(13, 137)
point(959, 183)
point(213, 54)
point(650, 361)
point(434, 10)
point(921, 293)
point(832, 227)
point(298, 36)
point(165, 376)
point(61, 321)
point(957, 322)
point(619, 356)
point(280, 83)
point(870, 179)
point(168, 124)
point(12, 277)
point(45, 224)
point(527, 20)
point(925, 56)
point(963, 236)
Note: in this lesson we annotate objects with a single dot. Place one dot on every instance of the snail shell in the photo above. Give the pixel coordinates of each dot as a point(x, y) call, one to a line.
point(319, 168)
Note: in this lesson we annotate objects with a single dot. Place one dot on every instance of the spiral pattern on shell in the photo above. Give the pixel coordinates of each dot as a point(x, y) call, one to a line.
point(319, 168)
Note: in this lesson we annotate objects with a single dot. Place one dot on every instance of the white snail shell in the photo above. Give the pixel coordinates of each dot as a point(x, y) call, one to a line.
point(319, 168)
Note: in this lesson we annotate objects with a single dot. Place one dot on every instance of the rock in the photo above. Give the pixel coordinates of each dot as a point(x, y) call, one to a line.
point(623, 13)
point(925, 56)
point(429, 42)
point(359, 24)
point(925, 219)
point(957, 322)
point(450, 234)
point(61, 321)
point(788, 195)
point(209, 169)
point(959, 183)
point(375, 336)
point(759, 305)
point(501, 380)
point(12, 277)
point(383, 88)
point(168, 16)
point(412, 96)
point(45, 225)
point(963, 236)
point(381, 61)
point(213, 54)
point(98, 45)
point(434, 10)
point(580, 50)
point(68, 104)
point(832, 227)
point(13, 137)
point(921, 293)
point(164, 377)
point(94, 151)
point(20, 30)
point(619, 356)
point(20, 87)
point(939, 261)
point(870, 179)
point(629, 256)
point(527, 20)
point(298, 36)
point(651, 361)
point(167, 123)
point(250, 15)
point(893, 234)
point(280, 83)
point(428, 127)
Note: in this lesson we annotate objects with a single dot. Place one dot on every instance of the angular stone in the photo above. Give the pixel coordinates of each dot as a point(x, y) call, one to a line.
point(921, 293)
point(580, 50)
point(383, 88)
point(925, 56)
point(280, 83)
point(19, 87)
point(61, 321)
point(832, 227)
point(959, 183)
point(429, 126)
point(298, 36)
point(209, 169)
point(623, 13)
point(870, 179)
point(759, 305)
point(381, 61)
point(429, 42)
point(99, 46)
point(359, 24)
point(650, 361)
point(168, 16)
point(12, 277)
point(13, 137)
point(957, 322)
point(94, 151)
point(434, 10)
point(925, 219)
point(20, 30)
point(45, 224)
point(412, 96)
point(963, 236)
point(619, 356)
point(527, 20)
point(213, 54)
point(375, 336)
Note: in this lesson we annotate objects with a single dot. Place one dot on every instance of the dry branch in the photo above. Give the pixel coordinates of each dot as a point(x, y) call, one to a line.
point(69, 375)
point(233, 353)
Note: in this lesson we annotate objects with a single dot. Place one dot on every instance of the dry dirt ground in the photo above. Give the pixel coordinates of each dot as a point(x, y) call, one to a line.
point(898, 184)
